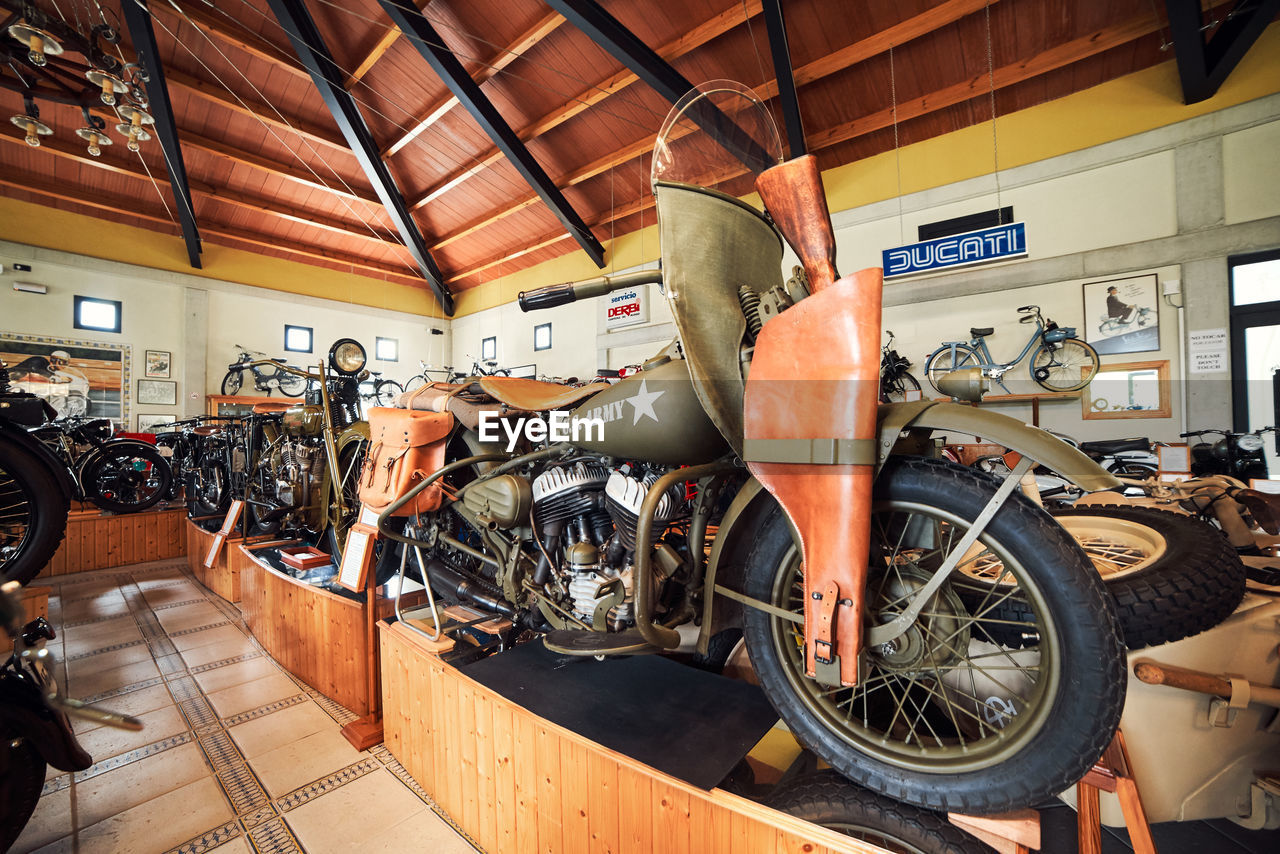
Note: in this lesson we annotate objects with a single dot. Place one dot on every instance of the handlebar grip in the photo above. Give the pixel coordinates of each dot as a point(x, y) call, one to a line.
point(554, 295)
point(1028, 308)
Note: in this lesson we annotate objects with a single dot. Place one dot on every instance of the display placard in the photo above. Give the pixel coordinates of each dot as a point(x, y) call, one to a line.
point(357, 557)
point(1174, 459)
point(1272, 487)
point(228, 525)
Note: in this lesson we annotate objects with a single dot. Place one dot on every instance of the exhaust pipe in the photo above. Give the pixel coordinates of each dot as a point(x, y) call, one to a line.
point(449, 581)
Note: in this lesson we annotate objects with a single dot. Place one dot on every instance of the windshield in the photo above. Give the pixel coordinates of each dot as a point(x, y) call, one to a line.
point(717, 132)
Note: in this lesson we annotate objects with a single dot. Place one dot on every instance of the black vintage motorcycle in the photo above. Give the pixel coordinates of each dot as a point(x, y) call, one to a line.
point(301, 465)
point(1239, 455)
point(291, 383)
point(34, 726)
point(116, 474)
point(896, 382)
point(745, 480)
point(35, 488)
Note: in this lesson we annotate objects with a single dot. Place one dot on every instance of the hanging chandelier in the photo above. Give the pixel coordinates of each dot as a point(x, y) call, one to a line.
point(46, 57)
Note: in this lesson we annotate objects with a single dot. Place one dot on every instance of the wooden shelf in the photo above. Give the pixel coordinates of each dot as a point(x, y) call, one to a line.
point(1020, 398)
point(241, 404)
point(97, 540)
point(518, 783)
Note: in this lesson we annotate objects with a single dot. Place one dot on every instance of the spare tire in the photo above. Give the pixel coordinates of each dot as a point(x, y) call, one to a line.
point(1171, 575)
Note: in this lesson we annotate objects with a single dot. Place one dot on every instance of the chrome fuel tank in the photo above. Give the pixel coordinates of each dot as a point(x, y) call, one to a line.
point(654, 416)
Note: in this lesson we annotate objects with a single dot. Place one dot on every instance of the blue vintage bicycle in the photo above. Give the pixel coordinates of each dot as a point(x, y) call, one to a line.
point(1059, 362)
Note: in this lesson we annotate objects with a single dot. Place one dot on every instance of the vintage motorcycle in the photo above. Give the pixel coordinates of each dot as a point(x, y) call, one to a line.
point(301, 464)
point(34, 726)
point(746, 479)
point(288, 380)
point(114, 473)
point(1238, 455)
point(896, 382)
point(35, 488)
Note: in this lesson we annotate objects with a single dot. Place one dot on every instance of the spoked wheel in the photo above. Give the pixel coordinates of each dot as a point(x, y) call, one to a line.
point(896, 389)
point(387, 392)
point(33, 514)
point(232, 381)
point(942, 362)
point(210, 491)
point(946, 716)
point(828, 800)
point(1069, 365)
point(346, 482)
point(291, 385)
point(127, 478)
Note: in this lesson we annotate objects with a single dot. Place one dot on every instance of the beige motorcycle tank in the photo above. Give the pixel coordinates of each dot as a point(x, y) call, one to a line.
point(654, 416)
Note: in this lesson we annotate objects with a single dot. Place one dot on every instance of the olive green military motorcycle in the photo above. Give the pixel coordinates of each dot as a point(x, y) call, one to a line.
point(746, 482)
point(303, 461)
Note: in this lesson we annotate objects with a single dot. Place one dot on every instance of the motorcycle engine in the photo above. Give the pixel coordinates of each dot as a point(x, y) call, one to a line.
point(301, 467)
point(587, 515)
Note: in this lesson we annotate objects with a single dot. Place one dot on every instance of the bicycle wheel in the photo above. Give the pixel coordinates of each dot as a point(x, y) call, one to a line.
point(415, 381)
point(387, 392)
point(232, 381)
point(1069, 365)
point(939, 363)
point(895, 389)
point(291, 385)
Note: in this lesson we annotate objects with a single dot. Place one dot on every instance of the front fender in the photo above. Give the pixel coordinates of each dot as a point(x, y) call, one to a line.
point(10, 432)
point(23, 714)
point(1042, 447)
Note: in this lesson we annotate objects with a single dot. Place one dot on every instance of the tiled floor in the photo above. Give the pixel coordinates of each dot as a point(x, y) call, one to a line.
point(236, 756)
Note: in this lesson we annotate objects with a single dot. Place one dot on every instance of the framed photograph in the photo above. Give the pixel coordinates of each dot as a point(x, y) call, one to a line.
point(154, 423)
point(1128, 390)
point(1174, 458)
point(1123, 315)
point(158, 364)
point(76, 377)
point(157, 393)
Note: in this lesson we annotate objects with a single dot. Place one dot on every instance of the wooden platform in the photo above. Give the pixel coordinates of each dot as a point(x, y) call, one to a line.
point(517, 783)
point(35, 603)
point(223, 578)
point(318, 636)
point(95, 540)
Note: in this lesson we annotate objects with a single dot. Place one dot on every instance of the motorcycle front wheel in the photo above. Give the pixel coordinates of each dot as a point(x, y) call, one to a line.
point(33, 514)
point(231, 382)
point(210, 494)
point(127, 478)
point(20, 785)
point(946, 717)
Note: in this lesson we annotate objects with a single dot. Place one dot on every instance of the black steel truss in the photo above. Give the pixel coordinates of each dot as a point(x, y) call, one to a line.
point(777, 27)
point(314, 54)
point(1203, 66)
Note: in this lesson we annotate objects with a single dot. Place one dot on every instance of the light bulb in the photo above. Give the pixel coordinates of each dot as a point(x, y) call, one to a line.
point(36, 54)
point(33, 139)
point(133, 142)
point(93, 145)
point(108, 95)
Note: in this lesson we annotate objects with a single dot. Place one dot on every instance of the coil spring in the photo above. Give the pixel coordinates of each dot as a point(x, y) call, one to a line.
point(750, 302)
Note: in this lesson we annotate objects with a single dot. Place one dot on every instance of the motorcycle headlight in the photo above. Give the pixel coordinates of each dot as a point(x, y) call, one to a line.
point(347, 356)
point(1249, 443)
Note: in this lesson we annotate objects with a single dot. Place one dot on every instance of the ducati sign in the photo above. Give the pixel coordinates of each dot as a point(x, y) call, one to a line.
point(626, 309)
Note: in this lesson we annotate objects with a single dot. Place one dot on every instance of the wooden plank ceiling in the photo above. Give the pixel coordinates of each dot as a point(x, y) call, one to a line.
point(270, 172)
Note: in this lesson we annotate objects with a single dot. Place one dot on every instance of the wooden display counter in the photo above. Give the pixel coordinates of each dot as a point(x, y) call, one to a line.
point(223, 577)
point(318, 636)
point(96, 540)
point(518, 783)
point(35, 604)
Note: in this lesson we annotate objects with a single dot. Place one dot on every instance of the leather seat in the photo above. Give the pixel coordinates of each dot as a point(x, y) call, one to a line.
point(534, 395)
point(209, 429)
point(1115, 446)
point(978, 332)
point(267, 408)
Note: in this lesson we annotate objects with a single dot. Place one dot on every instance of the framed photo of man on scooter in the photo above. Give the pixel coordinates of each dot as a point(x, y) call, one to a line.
point(1123, 315)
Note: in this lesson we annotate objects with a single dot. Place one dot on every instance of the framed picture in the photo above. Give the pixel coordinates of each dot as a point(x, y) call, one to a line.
point(1123, 315)
point(154, 423)
point(76, 377)
point(1129, 390)
point(158, 363)
point(157, 393)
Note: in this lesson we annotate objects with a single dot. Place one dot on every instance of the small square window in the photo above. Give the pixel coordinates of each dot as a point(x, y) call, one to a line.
point(542, 336)
point(297, 339)
point(489, 348)
point(387, 350)
point(100, 314)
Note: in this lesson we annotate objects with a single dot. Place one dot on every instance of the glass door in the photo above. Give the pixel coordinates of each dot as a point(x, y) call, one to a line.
point(1255, 347)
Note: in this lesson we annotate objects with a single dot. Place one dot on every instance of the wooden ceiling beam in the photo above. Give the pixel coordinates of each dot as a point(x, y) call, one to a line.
point(236, 35)
point(129, 207)
point(1070, 52)
point(497, 63)
point(75, 153)
point(859, 51)
point(695, 38)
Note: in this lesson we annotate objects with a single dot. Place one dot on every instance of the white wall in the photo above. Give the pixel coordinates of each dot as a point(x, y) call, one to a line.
point(198, 320)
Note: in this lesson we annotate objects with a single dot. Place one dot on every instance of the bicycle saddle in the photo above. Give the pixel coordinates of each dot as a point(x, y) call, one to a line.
point(1115, 446)
point(978, 332)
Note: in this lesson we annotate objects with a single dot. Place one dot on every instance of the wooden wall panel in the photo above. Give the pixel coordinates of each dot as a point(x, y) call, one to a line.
point(547, 789)
point(95, 540)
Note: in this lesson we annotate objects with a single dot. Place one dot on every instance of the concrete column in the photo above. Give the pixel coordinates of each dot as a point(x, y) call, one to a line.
point(1198, 182)
point(1205, 292)
point(195, 351)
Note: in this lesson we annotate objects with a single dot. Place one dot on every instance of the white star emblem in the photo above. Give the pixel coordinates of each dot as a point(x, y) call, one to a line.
point(642, 403)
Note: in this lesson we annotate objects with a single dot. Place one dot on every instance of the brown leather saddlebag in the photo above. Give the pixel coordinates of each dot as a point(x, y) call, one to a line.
point(405, 446)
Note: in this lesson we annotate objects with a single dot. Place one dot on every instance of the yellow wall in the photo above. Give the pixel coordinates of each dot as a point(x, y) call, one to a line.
point(1138, 102)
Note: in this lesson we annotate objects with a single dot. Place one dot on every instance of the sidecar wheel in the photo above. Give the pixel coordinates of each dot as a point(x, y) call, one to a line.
point(946, 717)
